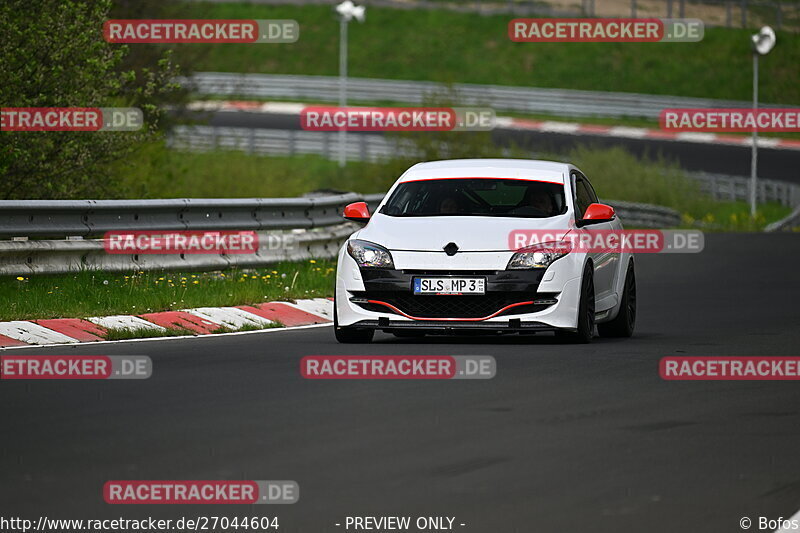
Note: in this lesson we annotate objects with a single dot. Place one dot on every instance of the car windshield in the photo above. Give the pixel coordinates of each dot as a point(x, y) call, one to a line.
point(476, 197)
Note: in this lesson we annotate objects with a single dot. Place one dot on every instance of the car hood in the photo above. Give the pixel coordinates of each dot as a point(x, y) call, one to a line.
point(471, 234)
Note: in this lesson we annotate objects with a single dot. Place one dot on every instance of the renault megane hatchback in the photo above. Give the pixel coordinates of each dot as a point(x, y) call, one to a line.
point(448, 251)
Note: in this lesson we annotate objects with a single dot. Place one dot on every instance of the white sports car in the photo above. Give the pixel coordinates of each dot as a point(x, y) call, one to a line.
point(439, 256)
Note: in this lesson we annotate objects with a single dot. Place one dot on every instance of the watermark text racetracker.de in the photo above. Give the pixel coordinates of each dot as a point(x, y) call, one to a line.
point(730, 120)
point(605, 30)
point(71, 119)
point(139, 31)
point(675, 368)
point(200, 492)
point(75, 367)
point(332, 118)
point(609, 241)
point(398, 367)
point(191, 242)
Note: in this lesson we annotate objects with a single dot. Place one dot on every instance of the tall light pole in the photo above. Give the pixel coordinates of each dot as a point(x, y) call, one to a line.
point(763, 42)
point(347, 11)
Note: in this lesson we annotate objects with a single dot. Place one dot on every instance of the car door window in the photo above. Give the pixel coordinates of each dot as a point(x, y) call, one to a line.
point(584, 194)
point(590, 191)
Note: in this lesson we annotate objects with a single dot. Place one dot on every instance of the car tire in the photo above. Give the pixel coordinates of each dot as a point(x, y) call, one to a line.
point(625, 321)
point(350, 335)
point(586, 310)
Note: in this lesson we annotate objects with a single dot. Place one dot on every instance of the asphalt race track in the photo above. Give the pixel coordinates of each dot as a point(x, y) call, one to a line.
point(564, 438)
point(773, 163)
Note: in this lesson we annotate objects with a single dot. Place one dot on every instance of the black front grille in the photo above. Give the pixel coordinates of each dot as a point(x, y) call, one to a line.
point(450, 306)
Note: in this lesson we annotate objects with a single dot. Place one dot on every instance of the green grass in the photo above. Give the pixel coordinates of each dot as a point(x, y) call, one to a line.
point(122, 334)
point(87, 293)
point(617, 174)
point(155, 172)
point(461, 47)
point(735, 216)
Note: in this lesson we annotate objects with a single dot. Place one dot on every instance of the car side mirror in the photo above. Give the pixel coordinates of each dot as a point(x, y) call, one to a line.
point(357, 212)
point(597, 213)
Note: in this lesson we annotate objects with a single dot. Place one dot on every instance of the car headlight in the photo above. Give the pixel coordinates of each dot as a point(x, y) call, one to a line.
point(369, 255)
point(539, 255)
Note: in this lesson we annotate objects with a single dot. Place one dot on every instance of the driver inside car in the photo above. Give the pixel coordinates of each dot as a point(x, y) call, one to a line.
point(539, 200)
point(450, 206)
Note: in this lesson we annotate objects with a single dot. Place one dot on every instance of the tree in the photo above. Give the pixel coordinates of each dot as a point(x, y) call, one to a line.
point(53, 55)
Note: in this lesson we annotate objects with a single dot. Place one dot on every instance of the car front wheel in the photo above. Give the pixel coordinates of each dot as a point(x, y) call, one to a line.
point(623, 324)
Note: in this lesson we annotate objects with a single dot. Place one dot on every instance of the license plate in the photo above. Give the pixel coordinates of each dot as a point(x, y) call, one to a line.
point(449, 285)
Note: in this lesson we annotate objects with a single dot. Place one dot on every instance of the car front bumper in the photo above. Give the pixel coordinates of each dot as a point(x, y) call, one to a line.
point(515, 300)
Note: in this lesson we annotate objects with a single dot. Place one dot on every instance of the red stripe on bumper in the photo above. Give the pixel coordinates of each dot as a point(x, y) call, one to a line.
point(396, 310)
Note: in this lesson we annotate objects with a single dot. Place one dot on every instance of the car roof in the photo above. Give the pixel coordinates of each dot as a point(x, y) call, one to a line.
point(527, 169)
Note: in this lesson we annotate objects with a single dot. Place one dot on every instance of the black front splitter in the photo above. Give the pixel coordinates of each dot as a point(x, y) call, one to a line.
point(446, 326)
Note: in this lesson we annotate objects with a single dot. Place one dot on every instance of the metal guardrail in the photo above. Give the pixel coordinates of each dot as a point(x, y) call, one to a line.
point(299, 228)
point(262, 141)
point(723, 187)
point(304, 228)
point(372, 147)
point(637, 215)
point(560, 102)
point(63, 256)
point(85, 218)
